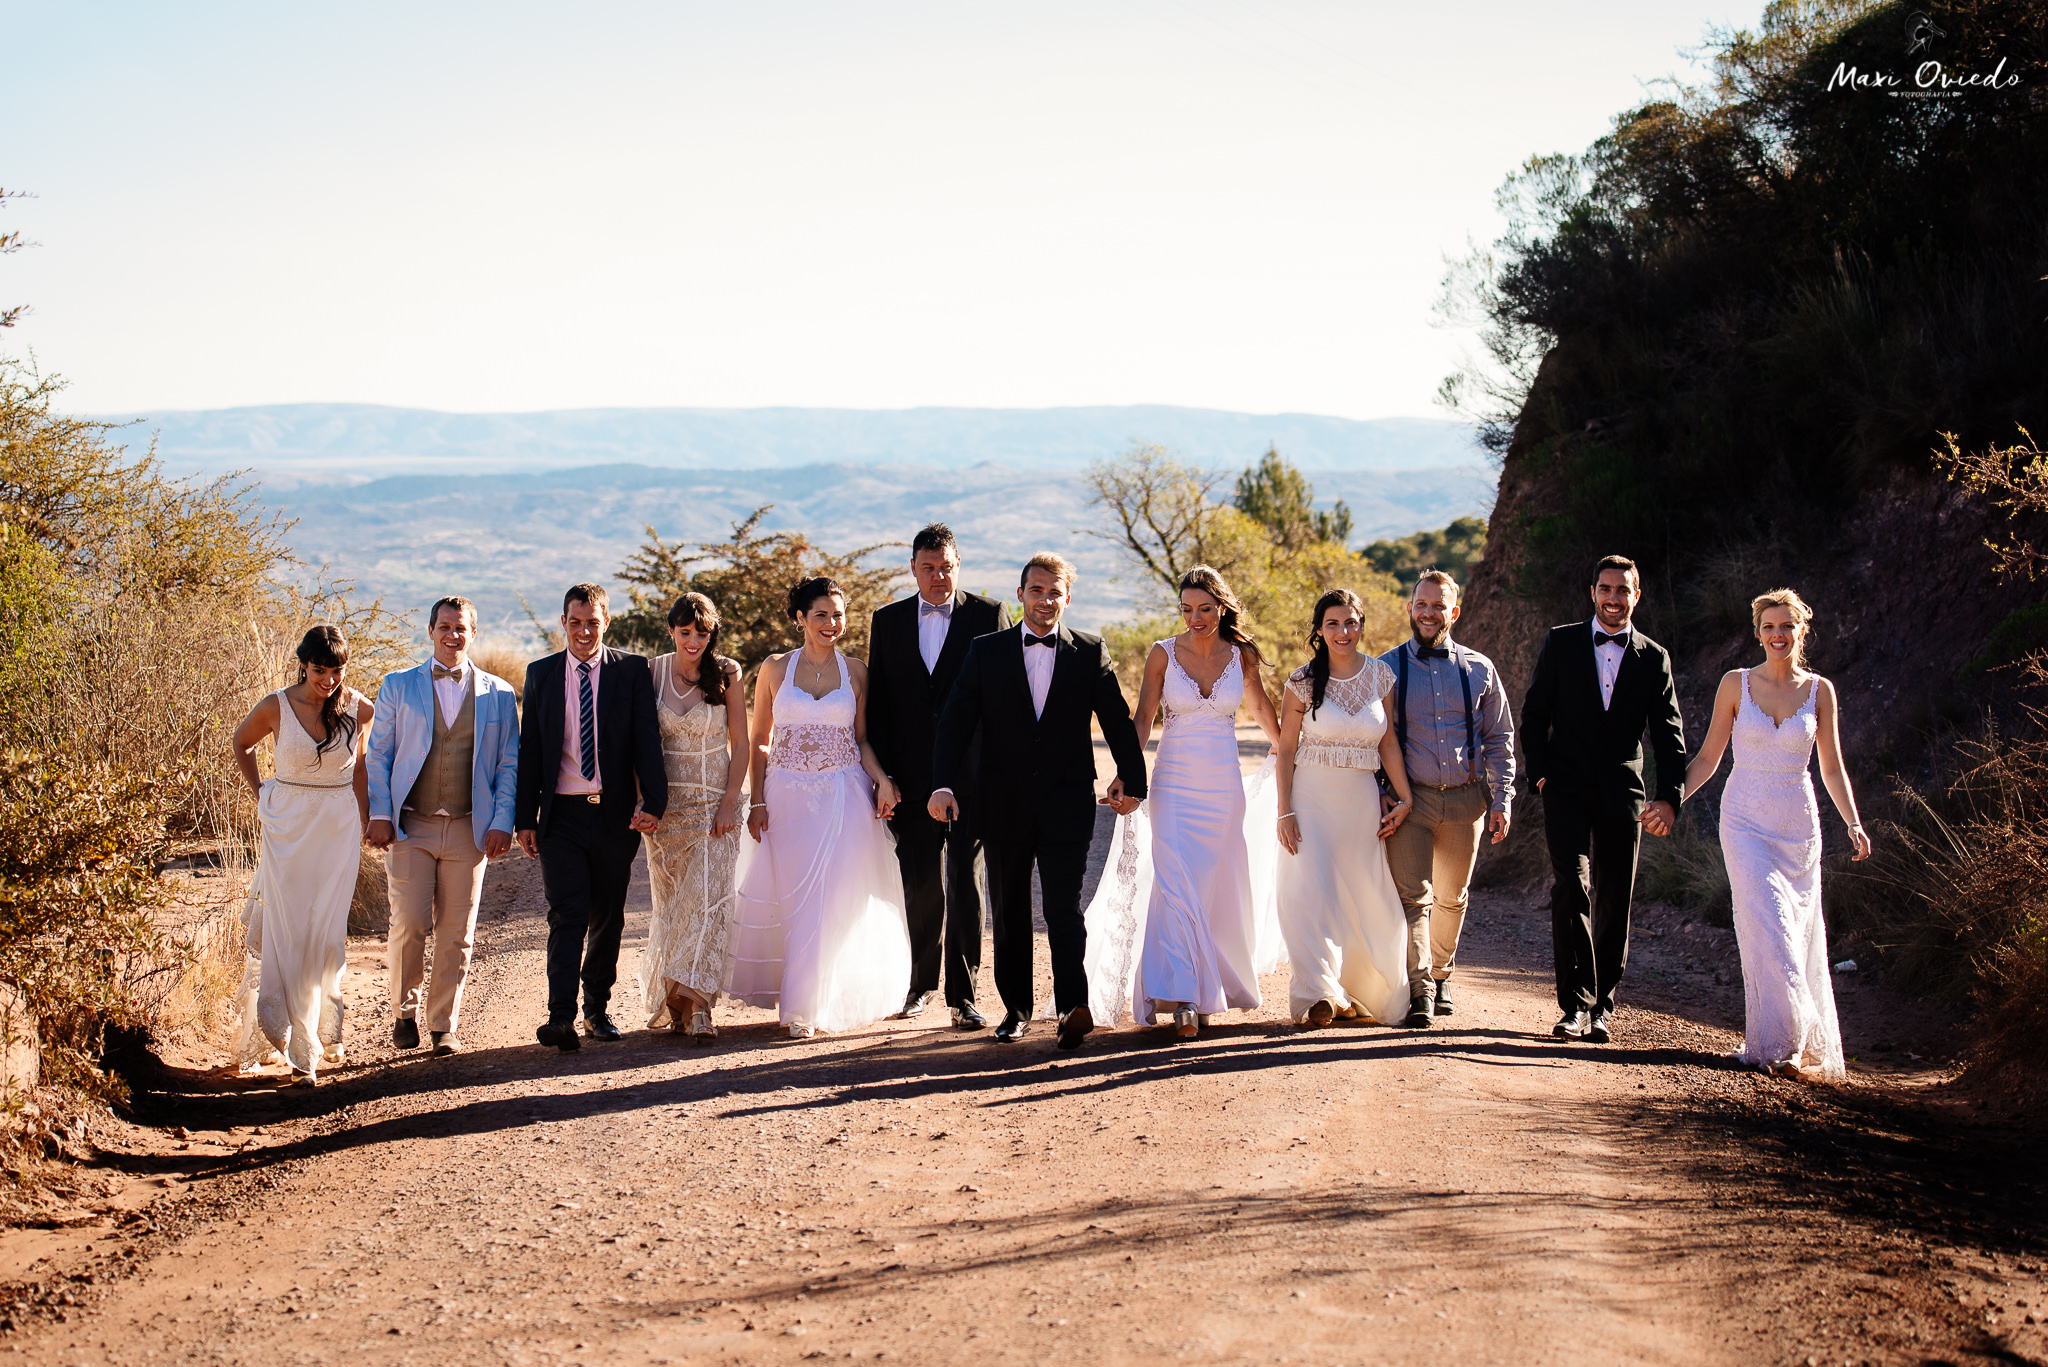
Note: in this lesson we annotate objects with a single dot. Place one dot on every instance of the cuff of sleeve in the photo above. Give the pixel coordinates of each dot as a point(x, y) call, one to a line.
point(380, 816)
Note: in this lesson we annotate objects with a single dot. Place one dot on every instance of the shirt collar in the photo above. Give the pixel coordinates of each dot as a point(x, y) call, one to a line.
point(1025, 627)
point(595, 662)
point(461, 670)
point(1627, 633)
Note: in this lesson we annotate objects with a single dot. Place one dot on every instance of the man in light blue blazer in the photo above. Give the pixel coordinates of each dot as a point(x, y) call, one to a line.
point(444, 771)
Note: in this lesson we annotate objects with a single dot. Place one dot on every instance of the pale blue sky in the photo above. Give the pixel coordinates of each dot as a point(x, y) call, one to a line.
point(522, 206)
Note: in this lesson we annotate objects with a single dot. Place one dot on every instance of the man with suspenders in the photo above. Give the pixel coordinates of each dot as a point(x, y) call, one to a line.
point(1458, 741)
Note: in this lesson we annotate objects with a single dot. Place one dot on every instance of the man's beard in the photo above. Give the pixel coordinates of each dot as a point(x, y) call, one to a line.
point(1436, 642)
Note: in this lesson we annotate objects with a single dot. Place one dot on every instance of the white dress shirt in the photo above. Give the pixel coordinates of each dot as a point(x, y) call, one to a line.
point(1038, 663)
point(1607, 660)
point(570, 780)
point(448, 692)
point(932, 625)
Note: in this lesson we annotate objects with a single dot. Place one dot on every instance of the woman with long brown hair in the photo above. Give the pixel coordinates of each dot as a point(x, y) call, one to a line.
point(693, 855)
point(313, 814)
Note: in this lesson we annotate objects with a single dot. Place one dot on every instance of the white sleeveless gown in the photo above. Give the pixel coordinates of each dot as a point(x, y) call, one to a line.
point(1347, 937)
point(821, 933)
point(1770, 837)
point(297, 913)
point(1185, 911)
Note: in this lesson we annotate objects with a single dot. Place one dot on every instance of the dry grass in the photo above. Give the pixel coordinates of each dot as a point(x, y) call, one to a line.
point(506, 659)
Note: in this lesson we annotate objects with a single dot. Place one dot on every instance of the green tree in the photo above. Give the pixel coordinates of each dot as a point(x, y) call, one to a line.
point(749, 577)
point(1277, 495)
point(1454, 549)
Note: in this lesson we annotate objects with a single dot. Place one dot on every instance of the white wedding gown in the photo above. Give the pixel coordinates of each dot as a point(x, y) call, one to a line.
point(1185, 912)
point(296, 917)
point(1770, 837)
point(1347, 936)
point(821, 932)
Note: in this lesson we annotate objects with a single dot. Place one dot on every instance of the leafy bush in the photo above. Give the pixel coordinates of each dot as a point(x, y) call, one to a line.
point(1454, 549)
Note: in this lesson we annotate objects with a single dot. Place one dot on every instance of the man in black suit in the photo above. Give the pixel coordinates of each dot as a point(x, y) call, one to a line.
point(1027, 695)
point(1597, 685)
point(589, 752)
point(915, 647)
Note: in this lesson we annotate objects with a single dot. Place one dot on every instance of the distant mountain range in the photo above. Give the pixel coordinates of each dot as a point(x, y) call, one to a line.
point(357, 441)
point(413, 504)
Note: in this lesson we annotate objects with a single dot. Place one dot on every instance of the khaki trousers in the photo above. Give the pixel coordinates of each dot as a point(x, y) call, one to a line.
point(437, 877)
point(1431, 857)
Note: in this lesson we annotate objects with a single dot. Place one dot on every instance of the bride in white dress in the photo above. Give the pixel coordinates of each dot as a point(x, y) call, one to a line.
point(821, 932)
point(313, 815)
point(1774, 715)
point(1347, 936)
point(1194, 907)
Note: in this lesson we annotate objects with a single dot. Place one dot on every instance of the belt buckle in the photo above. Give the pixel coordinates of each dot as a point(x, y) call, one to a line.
point(593, 798)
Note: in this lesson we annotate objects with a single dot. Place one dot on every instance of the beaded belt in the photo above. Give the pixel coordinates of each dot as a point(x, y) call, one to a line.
point(293, 783)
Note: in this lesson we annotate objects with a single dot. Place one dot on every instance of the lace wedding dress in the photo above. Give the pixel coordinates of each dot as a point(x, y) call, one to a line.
point(1185, 912)
point(1347, 936)
point(821, 933)
point(1770, 837)
point(296, 918)
point(692, 875)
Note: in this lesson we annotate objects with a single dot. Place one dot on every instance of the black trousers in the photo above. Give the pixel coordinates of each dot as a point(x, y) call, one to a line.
point(942, 900)
point(1062, 864)
point(1593, 846)
point(585, 868)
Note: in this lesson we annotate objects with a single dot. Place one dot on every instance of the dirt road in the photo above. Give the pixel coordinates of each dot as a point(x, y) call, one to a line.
point(1476, 1193)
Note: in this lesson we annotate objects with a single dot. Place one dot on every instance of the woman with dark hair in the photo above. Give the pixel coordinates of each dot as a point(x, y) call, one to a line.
point(1347, 935)
point(693, 855)
point(1196, 927)
point(313, 815)
point(822, 936)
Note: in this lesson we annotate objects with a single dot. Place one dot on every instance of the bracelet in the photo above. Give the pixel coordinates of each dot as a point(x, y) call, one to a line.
point(1284, 815)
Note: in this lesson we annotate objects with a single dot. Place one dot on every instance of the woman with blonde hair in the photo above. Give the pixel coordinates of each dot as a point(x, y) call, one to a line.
point(1774, 715)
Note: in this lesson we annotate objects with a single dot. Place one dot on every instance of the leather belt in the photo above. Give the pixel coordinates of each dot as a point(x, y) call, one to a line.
point(592, 798)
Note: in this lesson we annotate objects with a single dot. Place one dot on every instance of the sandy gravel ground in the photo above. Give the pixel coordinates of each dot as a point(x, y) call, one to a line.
point(1475, 1193)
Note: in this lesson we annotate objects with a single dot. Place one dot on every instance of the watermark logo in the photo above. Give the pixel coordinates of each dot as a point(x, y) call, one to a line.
point(1920, 33)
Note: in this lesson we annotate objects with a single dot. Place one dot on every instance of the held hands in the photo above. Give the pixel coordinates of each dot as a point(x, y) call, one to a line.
point(1393, 814)
point(1115, 800)
point(379, 834)
point(645, 822)
point(886, 798)
point(1658, 818)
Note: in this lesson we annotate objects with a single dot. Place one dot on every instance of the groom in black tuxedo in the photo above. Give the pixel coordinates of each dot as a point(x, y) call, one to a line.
point(589, 752)
point(1597, 686)
point(915, 649)
point(1027, 695)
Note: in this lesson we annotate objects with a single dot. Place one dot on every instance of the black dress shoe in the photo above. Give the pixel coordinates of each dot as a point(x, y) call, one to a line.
point(445, 1043)
point(1600, 1031)
point(914, 1005)
point(1571, 1025)
point(1015, 1023)
point(405, 1033)
point(967, 1016)
point(1443, 997)
point(600, 1027)
point(559, 1035)
point(1420, 1013)
point(1074, 1027)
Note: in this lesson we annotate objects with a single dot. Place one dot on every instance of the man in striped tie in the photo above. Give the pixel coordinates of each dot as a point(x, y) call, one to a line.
point(589, 756)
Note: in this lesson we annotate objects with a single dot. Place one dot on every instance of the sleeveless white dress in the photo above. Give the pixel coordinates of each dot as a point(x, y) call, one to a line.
point(821, 932)
point(296, 917)
point(1347, 936)
point(1185, 912)
point(1770, 837)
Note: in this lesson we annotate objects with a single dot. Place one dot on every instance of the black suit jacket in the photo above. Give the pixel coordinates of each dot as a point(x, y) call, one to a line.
point(905, 699)
point(1580, 747)
point(628, 740)
point(1037, 772)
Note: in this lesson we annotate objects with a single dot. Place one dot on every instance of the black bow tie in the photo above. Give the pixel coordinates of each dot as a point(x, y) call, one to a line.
point(1601, 638)
point(1432, 653)
point(1031, 640)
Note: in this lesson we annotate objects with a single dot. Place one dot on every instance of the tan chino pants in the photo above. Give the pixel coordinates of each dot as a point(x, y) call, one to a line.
point(1431, 857)
point(437, 877)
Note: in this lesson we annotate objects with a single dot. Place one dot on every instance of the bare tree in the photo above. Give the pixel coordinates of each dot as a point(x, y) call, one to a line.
point(12, 242)
point(1160, 508)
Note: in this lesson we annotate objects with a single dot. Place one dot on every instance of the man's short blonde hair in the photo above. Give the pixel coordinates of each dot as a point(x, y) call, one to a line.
point(1450, 585)
point(1053, 563)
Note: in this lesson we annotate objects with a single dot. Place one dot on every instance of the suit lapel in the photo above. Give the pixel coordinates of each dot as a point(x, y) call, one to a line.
point(1630, 673)
point(1013, 654)
point(1066, 665)
point(553, 698)
point(958, 633)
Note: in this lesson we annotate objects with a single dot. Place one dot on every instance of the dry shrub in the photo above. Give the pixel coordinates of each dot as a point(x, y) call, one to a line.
point(506, 659)
point(1956, 899)
point(369, 911)
point(1686, 869)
